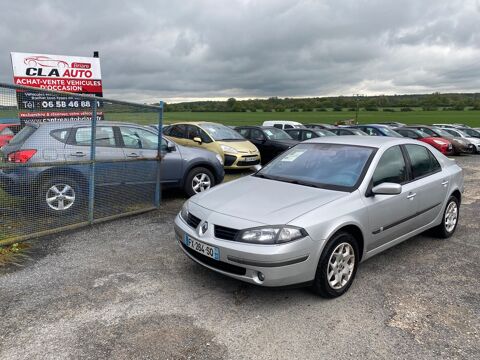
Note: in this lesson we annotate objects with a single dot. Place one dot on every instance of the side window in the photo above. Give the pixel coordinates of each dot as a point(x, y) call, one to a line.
point(423, 161)
point(178, 131)
point(391, 167)
point(257, 135)
point(60, 135)
point(136, 138)
point(205, 137)
point(308, 135)
point(372, 131)
point(344, 132)
point(244, 132)
point(287, 126)
point(279, 126)
point(103, 137)
point(296, 134)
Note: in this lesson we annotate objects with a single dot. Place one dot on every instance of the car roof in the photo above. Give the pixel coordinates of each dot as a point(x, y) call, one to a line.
point(64, 124)
point(370, 141)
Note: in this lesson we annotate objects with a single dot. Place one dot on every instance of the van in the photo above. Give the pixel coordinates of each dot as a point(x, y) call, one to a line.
point(283, 124)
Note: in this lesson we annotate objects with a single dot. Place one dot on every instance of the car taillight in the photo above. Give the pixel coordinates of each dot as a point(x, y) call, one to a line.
point(21, 156)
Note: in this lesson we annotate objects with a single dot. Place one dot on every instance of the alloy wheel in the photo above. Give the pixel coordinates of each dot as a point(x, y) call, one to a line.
point(451, 216)
point(60, 197)
point(340, 266)
point(201, 182)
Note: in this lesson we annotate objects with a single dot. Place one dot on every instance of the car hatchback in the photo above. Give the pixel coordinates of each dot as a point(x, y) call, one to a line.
point(235, 150)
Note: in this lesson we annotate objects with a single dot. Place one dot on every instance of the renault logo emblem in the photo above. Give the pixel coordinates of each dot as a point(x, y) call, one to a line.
point(203, 229)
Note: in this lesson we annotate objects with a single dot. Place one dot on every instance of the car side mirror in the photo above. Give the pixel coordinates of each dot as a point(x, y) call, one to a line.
point(387, 188)
point(197, 140)
point(170, 147)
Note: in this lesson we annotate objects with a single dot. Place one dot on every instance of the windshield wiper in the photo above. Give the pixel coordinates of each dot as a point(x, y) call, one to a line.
point(298, 182)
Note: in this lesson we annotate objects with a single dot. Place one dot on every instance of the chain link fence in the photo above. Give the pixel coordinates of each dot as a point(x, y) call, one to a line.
point(68, 160)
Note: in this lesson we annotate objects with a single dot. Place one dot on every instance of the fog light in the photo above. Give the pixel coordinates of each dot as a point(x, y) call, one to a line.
point(261, 277)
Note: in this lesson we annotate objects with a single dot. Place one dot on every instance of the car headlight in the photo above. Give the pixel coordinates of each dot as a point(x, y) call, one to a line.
point(184, 211)
point(229, 149)
point(219, 158)
point(271, 234)
point(439, 142)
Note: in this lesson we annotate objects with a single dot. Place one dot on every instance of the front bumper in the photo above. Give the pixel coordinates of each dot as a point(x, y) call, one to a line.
point(239, 161)
point(281, 265)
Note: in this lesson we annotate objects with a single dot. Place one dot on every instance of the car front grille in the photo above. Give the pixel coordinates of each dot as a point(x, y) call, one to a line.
point(225, 233)
point(192, 220)
point(248, 163)
point(216, 264)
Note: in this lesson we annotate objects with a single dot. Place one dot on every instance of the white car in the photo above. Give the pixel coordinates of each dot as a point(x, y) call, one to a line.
point(283, 124)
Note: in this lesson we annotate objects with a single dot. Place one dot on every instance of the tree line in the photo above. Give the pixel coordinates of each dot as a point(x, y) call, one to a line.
point(426, 102)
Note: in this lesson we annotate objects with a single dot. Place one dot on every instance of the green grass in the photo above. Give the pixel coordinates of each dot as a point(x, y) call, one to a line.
point(471, 118)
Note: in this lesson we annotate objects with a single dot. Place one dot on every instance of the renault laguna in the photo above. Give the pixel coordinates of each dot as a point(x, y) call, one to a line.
point(316, 211)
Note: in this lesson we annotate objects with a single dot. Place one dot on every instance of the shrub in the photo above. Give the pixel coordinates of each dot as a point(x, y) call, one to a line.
point(388, 110)
point(406, 109)
point(371, 108)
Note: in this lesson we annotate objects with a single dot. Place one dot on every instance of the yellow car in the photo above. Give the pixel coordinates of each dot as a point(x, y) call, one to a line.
point(235, 150)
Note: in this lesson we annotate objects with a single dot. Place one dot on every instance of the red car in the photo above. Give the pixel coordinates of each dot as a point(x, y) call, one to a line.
point(441, 144)
point(7, 132)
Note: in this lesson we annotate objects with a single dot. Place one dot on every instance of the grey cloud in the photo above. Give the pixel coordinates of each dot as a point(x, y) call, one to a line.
point(256, 48)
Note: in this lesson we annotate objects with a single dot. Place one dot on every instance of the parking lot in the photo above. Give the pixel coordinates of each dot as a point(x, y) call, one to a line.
point(124, 290)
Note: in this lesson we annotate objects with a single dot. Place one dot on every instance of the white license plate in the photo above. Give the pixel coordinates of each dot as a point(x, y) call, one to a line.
point(202, 248)
point(250, 159)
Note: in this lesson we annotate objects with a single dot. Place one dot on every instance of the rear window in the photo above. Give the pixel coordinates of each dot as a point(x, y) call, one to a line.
point(60, 135)
point(23, 135)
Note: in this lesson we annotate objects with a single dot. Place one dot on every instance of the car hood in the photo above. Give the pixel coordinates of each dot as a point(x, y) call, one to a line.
point(242, 146)
point(263, 200)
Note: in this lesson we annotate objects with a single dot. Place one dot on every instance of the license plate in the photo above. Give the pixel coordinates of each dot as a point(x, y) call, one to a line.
point(202, 248)
point(250, 159)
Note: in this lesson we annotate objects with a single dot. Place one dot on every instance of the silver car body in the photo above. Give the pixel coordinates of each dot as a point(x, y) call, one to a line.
point(381, 220)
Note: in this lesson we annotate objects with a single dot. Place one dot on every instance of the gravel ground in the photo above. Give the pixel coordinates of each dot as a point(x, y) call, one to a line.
point(123, 290)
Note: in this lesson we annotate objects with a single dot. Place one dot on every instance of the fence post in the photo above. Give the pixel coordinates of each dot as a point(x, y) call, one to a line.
point(91, 182)
point(158, 190)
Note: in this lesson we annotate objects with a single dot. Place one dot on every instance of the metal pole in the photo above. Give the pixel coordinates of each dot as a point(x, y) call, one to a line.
point(158, 190)
point(91, 182)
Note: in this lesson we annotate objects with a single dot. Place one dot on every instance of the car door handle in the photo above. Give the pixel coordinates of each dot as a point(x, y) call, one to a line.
point(445, 183)
point(133, 155)
point(78, 154)
point(411, 196)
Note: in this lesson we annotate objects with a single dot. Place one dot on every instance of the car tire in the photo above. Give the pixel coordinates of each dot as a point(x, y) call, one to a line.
point(65, 194)
point(344, 244)
point(450, 218)
point(199, 179)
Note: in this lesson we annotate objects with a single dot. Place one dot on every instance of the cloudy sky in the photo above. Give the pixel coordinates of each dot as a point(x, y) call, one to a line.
point(195, 49)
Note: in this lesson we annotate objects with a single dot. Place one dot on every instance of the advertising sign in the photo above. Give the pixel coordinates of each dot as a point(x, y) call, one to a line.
point(60, 73)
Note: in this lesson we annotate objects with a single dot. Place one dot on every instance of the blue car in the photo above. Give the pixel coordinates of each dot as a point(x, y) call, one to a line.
point(56, 171)
point(376, 130)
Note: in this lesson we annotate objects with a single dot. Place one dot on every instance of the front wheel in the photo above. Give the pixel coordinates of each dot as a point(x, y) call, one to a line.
point(198, 180)
point(337, 266)
point(449, 220)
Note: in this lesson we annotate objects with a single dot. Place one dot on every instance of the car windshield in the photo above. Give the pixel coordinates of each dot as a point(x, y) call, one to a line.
point(470, 133)
point(443, 133)
point(389, 132)
point(358, 132)
point(221, 132)
point(329, 166)
point(322, 132)
point(276, 134)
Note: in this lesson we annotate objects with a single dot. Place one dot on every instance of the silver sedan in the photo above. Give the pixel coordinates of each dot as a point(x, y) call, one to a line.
point(315, 212)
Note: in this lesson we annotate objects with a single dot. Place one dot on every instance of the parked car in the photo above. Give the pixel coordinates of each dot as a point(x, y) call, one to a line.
point(459, 144)
point(348, 131)
point(305, 134)
point(60, 187)
point(442, 145)
point(235, 150)
point(319, 209)
point(320, 126)
point(469, 134)
point(270, 140)
point(451, 125)
point(7, 132)
point(376, 130)
point(283, 124)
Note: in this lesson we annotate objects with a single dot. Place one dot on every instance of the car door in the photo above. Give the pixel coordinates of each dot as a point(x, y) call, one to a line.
point(391, 216)
point(430, 183)
point(258, 138)
point(106, 148)
point(178, 133)
point(140, 146)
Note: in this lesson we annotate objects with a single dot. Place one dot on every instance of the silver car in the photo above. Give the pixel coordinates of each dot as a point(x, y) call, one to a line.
point(316, 211)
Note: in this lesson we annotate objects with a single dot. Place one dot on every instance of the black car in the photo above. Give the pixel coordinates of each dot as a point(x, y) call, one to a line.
point(269, 140)
point(319, 126)
point(348, 131)
point(305, 134)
